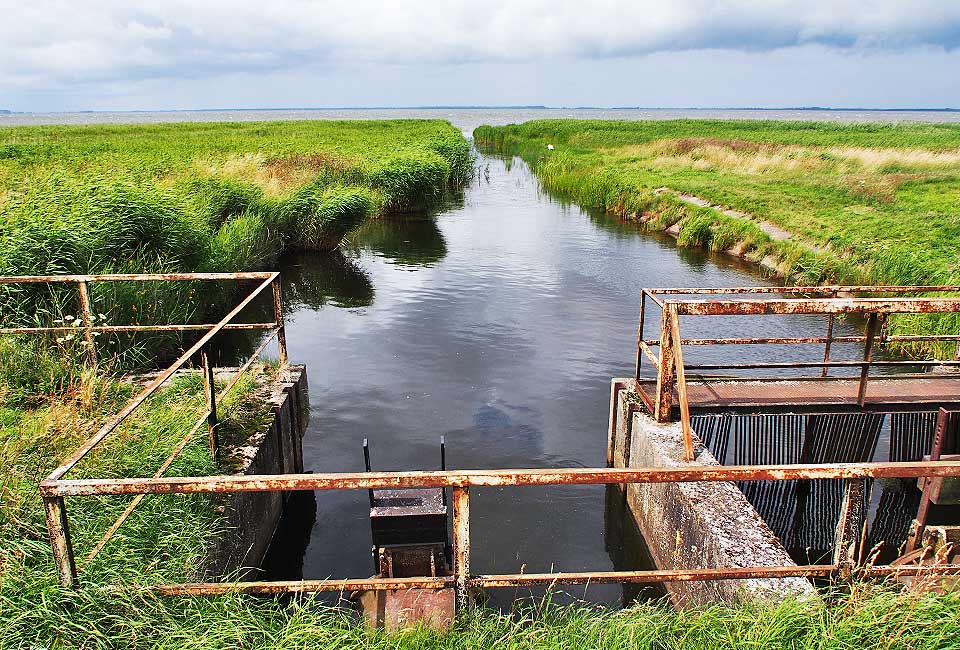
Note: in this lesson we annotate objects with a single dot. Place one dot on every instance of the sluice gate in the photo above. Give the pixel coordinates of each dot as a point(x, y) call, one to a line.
point(754, 408)
point(663, 429)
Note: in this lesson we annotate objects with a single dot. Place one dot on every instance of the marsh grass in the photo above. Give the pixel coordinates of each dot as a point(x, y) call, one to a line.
point(865, 203)
point(167, 537)
point(207, 197)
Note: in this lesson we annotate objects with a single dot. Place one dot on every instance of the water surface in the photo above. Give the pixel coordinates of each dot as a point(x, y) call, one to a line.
point(497, 323)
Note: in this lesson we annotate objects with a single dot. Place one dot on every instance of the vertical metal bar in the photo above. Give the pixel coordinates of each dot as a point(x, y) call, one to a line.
point(915, 537)
point(850, 526)
point(59, 530)
point(461, 545)
point(681, 387)
point(643, 303)
point(826, 348)
point(210, 388)
point(665, 377)
point(443, 468)
point(87, 321)
point(366, 466)
point(281, 328)
point(867, 357)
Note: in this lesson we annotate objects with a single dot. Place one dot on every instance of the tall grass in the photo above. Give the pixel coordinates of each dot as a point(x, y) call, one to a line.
point(865, 203)
point(206, 197)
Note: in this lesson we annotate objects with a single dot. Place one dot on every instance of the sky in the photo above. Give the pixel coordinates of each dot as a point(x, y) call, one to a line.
point(197, 54)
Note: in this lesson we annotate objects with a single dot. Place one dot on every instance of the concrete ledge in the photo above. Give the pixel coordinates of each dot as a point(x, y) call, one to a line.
point(252, 517)
point(694, 525)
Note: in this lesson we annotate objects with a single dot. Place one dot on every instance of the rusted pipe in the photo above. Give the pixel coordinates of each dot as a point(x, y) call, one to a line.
point(493, 478)
point(135, 277)
point(461, 545)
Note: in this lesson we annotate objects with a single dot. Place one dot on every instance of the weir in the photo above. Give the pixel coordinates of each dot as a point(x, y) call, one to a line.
point(685, 414)
point(703, 520)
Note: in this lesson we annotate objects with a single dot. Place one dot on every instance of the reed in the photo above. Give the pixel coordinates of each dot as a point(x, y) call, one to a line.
point(863, 203)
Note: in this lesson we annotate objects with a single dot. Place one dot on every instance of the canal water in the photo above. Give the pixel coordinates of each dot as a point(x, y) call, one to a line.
point(496, 322)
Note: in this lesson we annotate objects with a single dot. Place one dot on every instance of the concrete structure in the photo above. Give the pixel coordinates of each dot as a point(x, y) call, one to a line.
point(252, 517)
point(693, 525)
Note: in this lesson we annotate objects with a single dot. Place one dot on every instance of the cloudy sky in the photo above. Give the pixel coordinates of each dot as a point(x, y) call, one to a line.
point(182, 54)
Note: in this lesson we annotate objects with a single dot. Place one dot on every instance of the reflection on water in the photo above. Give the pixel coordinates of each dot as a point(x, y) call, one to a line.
point(405, 240)
point(313, 280)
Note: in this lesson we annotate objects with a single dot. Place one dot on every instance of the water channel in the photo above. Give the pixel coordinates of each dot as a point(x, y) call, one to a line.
point(496, 322)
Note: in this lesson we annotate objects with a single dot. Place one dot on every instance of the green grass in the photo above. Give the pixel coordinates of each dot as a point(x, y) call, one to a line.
point(866, 203)
point(206, 197)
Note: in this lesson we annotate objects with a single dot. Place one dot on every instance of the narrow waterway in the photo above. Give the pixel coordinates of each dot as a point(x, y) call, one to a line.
point(497, 323)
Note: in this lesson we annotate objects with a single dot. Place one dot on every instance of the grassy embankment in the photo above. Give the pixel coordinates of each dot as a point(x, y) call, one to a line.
point(180, 197)
point(863, 204)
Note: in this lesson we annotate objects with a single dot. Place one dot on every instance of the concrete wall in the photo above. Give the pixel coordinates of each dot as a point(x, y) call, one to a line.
point(252, 517)
point(693, 525)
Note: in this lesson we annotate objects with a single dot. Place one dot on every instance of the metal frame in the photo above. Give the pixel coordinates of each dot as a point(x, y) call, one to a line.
point(56, 488)
point(826, 300)
point(55, 507)
point(462, 481)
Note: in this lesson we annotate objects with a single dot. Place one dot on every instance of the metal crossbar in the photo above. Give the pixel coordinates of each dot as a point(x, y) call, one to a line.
point(56, 513)
point(874, 304)
point(462, 481)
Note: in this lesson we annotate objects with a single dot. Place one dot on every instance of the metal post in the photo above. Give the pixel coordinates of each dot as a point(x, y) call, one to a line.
point(850, 526)
point(210, 388)
point(461, 545)
point(278, 317)
point(665, 376)
point(59, 530)
point(867, 357)
point(366, 466)
point(643, 304)
point(681, 387)
point(826, 349)
point(87, 321)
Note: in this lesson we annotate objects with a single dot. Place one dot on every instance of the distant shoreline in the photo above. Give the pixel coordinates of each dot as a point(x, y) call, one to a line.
point(811, 109)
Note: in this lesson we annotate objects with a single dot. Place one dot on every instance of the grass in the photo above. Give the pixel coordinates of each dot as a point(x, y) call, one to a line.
point(864, 203)
point(206, 197)
point(228, 197)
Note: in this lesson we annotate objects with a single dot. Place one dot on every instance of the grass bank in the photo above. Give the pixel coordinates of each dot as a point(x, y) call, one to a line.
point(209, 197)
point(815, 202)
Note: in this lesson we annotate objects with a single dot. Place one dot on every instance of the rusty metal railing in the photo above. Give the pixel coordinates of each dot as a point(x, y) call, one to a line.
point(56, 490)
point(874, 303)
point(55, 512)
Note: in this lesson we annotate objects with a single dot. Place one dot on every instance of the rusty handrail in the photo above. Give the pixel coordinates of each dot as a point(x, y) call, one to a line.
point(492, 478)
point(55, 506)
point(462, 481)
point(831, 300)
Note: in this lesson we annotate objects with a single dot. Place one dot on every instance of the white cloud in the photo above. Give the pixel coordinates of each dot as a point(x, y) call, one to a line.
point(68, 41)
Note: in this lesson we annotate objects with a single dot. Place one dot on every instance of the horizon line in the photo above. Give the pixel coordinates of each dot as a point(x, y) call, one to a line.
point(496, 107)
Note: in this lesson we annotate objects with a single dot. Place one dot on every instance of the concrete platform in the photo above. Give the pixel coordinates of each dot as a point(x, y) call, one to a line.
point(694, 525)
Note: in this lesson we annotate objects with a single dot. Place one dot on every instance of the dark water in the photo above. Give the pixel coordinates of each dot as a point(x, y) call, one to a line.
point(497, 323)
